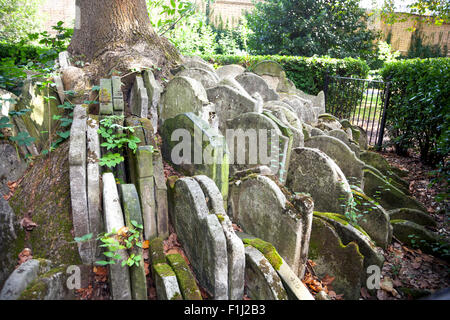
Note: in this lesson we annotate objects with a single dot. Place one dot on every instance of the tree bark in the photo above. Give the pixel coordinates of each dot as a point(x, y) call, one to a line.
point(103, 26)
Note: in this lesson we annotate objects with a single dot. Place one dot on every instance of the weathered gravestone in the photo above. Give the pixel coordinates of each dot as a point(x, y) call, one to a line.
point(181, 95)
point(302, 107)
point(105, 97)
point(312, 171)
point(258, 205)
point(8, 235)
point(235, 247)
point(197, 62)
point(333, 258)
point(119, 277)
point(191, 145)
point(117, 95)
point(253, 83)
point(230, 102)
point(154, 91)
point(274, 74)
point(229, 71)
point(139, 100)
point(201, 235)
point(207, 78)
point(254, 139)
point(133, 215)
point(263, 282)
point(78, 182)
point(341, 154)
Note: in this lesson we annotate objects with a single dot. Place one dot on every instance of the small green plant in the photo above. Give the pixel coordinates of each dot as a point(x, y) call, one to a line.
point(123, 239)
point(116, 137)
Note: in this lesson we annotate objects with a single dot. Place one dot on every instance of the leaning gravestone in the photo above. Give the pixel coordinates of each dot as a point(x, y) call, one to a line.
point(274, 74)
point(207, 78)
point(256, 202)
point(105, 97)
point(119, 277)
point(93, 181)
point(263, 282)
point(154, 91)
point(230, 71)
point(139, 103)
point(253, 83)
point(341, 154)
point(8, 235)
point(257, 140)
point(18, 281)
point(312, 171)
point(235, 247)
point(78, 182)
point(230, 103)
point(197, 62)
point(332, 258)
point(201, 235)
point(181, 95)
point(302, 107)
point(132, 211)
point(192, 146)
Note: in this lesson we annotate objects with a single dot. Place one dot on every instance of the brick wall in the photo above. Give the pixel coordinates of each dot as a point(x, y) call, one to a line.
point(53, 11)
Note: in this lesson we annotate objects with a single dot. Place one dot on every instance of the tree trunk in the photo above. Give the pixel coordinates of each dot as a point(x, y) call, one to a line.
point(122, 27)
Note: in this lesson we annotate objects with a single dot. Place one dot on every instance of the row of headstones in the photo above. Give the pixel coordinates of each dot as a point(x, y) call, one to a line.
point(341, 143)
point(223, 259)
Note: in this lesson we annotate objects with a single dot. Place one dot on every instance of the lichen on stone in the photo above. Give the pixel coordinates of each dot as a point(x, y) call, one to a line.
point(268, 250)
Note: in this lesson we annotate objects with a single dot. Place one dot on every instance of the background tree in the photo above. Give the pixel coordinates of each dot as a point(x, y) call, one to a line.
point(307, 27)
point(17, 19)
point(117, 35)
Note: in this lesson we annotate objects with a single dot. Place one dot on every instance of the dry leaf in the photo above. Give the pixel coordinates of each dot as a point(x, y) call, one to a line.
point(146, 244)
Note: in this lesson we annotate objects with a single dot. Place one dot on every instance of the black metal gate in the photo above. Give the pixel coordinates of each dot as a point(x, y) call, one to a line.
point(363, 102)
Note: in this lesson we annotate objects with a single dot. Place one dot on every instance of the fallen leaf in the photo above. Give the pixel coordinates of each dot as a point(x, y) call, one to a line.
point(146, 244)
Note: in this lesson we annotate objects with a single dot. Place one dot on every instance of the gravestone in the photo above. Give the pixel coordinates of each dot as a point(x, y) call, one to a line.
point(139, 100)
point(273, 73)
point(207, 78)
point(197, 62)
point(230, 103)
point(333, 258)
point(253, 83)
point(181, 95)
point(235, 248)
point(154, 91)
point(261, 209)
point(119, 277)
point(201, 235)
point(78, 182)
point(192, 146)
point(256, 140)
point(230, 71)
point(302, 107)
point(162, 207)
point(8, 235)
point(132, 212)
point(93, 172)
point(413, 215)
point(166, 283)
point(146, 189)
point(312, 171)
point(18, 281)
point(263, 282)
point(341, 154)
point(105, 97)
point(117, 95)
point(345, 138)
point(186, 280)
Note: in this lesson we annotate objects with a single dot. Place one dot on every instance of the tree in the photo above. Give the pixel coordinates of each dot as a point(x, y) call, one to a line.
point(307, 27)
point(17, 18)
point(117, 35)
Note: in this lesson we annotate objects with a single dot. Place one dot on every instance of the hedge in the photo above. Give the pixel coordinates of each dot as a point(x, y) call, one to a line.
point(418, 114)
point(308, 74)
point(21, 53)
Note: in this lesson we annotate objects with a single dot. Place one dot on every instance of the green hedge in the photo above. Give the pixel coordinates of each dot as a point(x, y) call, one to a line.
point(307, 73)
point(419, 108)
point(21, 53)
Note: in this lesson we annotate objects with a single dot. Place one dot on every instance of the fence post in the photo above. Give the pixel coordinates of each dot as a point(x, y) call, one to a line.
point(383, 119)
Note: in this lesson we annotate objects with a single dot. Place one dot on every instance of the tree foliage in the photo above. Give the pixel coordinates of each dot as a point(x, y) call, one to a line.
point(17, 19)
point(337, 28)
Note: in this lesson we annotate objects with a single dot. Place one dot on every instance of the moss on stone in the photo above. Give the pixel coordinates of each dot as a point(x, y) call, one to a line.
point(156, 251)
point(163, 270)
point(35, 291)
point(335, 216)
point(220, 217)
point(185, 278)
point(268, 250)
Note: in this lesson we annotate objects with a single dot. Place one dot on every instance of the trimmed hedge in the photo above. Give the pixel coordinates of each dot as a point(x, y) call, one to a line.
point(308, 74)
point(419, 110)
point(21, 53)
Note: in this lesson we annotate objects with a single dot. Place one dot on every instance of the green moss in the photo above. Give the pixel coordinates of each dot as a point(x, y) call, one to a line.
point(176, 296)
point(327, 117)
point(156, 251)
point(220, 217)
point(185, 278)
point(268, 250)
point(397, 221)
point(335, 216)
point(35, 291)
point(163, 270)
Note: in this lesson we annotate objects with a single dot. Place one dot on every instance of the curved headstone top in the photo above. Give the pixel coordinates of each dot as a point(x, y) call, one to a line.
point(253, 83)
point(197, 62)
point(269, 68)
point(230, 71)
point(207, 78)
point(182, 94)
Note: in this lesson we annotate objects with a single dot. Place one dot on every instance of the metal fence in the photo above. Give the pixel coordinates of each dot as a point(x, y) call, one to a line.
point(363, 102)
